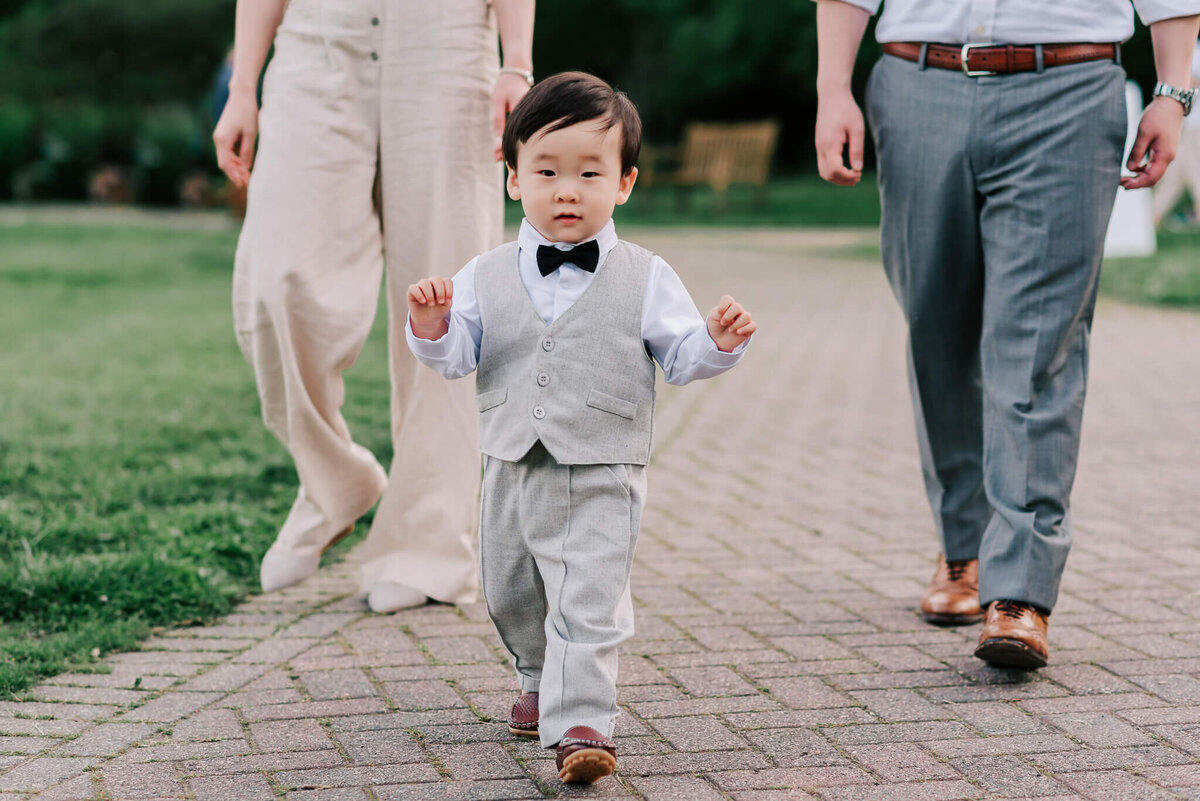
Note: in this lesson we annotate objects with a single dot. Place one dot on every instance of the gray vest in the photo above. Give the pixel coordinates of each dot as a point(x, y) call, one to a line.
point(583, 385)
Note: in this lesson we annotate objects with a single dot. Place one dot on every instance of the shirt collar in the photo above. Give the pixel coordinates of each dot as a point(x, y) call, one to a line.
point(529, 238)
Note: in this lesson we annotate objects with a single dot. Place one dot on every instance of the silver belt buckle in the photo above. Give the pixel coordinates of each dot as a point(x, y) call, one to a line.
point(965, 53)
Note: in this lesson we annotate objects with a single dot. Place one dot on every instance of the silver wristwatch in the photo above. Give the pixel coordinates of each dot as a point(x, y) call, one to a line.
point(1185, 97)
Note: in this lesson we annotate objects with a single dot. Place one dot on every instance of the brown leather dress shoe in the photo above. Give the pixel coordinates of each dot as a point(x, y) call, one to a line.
point(952, 597)
point(585, 755)
point(1014, 635)
point(523, 717)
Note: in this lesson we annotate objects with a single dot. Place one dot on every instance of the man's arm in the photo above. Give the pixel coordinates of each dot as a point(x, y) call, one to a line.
point(515, 19)
point(1158, 132)
point(840, 28)
point(236, 131)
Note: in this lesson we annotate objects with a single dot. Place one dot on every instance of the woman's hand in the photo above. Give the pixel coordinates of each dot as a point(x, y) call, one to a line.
point(235, 136)
point(509, 90)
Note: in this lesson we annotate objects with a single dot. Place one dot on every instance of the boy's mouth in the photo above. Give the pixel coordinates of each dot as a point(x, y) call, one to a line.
point(567, 217)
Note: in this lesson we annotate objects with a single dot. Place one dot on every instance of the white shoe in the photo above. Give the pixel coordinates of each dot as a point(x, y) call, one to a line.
point(388, 596)
point(281, 568)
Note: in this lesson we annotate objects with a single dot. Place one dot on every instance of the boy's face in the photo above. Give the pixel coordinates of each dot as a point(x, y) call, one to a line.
point(569, 180)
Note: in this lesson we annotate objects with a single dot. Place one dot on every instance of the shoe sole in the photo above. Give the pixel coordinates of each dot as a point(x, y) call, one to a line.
point(1006, 652)
point(587, 766)
point(941, 619)
point(523, 732)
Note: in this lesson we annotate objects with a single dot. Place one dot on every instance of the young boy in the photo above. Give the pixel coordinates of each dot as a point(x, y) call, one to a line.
point(564, 326)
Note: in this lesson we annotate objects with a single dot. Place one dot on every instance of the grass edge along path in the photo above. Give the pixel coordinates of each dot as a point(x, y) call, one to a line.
point(138, 487)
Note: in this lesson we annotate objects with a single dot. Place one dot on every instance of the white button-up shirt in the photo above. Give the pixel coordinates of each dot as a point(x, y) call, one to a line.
point(673, 329)
point(1017, 21)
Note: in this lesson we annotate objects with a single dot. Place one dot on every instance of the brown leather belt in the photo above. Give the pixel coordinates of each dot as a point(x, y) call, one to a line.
point(992, 59)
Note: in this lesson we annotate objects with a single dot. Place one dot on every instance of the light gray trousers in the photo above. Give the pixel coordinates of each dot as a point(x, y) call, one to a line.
point(556, 547)
point(996, 193)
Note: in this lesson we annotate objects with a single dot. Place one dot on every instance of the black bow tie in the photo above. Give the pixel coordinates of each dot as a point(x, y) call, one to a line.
point(583, 256)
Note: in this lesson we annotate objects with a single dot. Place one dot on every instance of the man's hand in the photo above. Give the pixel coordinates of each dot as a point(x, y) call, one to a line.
point(1156, 142)
point(839, 124)
point(234, 136)
point(429, 302)
point(729, 324)
point(509, 90)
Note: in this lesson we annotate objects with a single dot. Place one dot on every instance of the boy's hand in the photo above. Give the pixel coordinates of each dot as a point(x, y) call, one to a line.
point(429, 302)
point(729, 324)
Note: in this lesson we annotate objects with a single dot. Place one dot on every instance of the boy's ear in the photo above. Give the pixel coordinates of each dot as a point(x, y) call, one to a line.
point(514, 191)
point(625, 187)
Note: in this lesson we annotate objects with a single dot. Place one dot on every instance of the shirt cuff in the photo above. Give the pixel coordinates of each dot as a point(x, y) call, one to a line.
point(870, 6)
point(437, 349)
point(719, 358)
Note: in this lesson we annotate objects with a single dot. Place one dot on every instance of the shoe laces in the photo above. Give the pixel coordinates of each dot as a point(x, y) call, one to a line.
point(1013, 609)
point(958, 568)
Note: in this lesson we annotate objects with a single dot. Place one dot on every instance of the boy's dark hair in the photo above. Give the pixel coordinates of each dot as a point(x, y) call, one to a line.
point(569, 98)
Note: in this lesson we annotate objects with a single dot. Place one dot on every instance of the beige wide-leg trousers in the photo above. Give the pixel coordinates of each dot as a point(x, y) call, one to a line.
point(375, 140)
point(1182, 174)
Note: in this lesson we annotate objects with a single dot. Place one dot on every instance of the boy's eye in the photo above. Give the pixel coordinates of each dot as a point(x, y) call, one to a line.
point(547, 173)
point(591, 174)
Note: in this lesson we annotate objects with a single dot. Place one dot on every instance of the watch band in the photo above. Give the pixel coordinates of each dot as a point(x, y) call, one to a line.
point(526, 74)
point(1185, 97)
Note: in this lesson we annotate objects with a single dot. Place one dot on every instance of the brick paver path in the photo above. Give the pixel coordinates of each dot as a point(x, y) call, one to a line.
point(779, 654)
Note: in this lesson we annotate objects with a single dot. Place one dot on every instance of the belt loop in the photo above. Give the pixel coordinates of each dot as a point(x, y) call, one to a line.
point(1008, 58)
point(922, 56)
point(1040, 58)
point(1117, 53)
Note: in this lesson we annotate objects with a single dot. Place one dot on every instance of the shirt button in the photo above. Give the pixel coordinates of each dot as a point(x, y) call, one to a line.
point(374, 56)
point(374, 20)
point(547, 344)
point(543, 379)
point(539, 412)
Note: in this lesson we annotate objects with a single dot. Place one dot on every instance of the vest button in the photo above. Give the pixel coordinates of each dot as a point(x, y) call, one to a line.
point(539, 412)
point(547, 344)
point(543, 379)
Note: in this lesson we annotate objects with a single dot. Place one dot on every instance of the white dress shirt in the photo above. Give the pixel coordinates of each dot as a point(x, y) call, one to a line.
point(674, 331)
point(1018, 21)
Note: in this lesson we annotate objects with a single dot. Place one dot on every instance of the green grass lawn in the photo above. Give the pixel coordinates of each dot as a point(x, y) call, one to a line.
point(1169, 277)
point(137, 486)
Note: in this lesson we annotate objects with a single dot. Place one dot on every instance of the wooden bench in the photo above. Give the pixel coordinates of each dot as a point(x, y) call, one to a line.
point(718, 155)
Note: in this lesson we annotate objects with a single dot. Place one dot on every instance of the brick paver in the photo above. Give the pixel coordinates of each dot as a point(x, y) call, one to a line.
point(779, 652)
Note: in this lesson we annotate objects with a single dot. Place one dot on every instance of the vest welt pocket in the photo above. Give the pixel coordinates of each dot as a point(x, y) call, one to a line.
point(607, 403)
point(491, 399)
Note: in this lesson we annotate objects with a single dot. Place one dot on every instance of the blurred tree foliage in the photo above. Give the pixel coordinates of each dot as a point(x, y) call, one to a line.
point(113, 51)
point(680, 60)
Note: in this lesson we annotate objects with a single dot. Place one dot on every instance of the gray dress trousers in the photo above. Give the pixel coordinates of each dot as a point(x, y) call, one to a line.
point(996, 193)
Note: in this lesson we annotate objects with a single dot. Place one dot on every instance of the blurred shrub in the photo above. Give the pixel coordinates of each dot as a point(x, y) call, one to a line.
point(114, 51)
point(72, 142)
point(168, 143)
point(16, 141)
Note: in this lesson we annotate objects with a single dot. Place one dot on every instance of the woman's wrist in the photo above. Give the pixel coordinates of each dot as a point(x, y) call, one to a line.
point(525, 64)
point(240, 87)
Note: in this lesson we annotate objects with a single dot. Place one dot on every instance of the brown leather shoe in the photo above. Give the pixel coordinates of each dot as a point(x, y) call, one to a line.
point(952, 597)
point(585, 755)
point(1014, 635)
point(523, 717)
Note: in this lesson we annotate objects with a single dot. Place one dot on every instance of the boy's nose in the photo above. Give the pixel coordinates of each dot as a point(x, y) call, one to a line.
point(566, 193)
